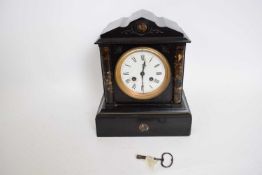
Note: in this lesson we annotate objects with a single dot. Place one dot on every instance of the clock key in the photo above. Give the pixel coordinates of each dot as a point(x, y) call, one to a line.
point(151, 161)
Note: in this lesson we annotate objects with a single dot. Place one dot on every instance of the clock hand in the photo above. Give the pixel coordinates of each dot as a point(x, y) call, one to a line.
point(144, 65)
point(142, 75)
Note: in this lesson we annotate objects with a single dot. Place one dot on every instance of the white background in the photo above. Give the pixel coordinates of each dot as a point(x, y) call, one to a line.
point(51, 84)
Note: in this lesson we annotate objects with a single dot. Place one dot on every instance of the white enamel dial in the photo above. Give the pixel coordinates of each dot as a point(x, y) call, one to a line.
point(143, 73)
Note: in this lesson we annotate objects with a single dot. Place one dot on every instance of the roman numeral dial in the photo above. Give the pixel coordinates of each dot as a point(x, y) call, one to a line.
point(142, 73)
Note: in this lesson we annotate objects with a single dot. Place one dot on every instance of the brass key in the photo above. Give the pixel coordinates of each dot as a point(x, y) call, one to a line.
point(153, 160)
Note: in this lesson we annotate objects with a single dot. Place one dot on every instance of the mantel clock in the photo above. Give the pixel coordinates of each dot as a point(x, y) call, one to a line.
point(142, 59)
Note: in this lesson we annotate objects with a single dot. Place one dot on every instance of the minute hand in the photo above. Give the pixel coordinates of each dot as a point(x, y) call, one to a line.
point(142, 75)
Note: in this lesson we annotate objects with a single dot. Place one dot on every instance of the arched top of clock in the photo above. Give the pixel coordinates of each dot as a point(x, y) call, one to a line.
point(142, 27)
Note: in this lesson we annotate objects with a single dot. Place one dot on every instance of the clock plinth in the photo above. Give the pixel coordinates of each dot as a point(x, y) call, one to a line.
point(141, 120)
point(142, 61)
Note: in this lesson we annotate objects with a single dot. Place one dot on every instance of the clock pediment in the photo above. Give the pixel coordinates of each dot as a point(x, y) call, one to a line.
point(142, 26)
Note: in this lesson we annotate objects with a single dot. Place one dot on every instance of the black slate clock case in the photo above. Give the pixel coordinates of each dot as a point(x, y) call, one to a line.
point(165, 115)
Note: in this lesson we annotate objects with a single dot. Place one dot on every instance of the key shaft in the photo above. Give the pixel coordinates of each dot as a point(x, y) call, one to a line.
point(140, 157)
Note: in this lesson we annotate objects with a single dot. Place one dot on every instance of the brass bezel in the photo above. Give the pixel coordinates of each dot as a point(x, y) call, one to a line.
point(136, 95)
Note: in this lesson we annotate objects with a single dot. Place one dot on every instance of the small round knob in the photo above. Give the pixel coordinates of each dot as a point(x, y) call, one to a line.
point(143, 127)
point(141, 27)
